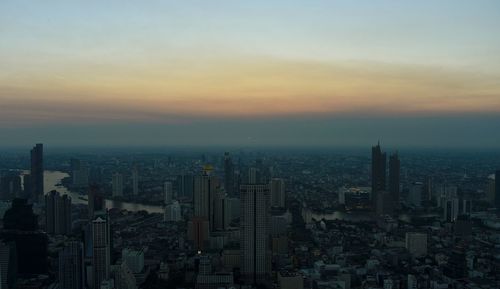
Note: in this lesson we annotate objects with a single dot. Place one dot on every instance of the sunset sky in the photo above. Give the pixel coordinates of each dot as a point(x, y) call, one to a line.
point(250, 72)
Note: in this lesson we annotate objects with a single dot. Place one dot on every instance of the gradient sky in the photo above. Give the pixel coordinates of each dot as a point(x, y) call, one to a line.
point(250, 72)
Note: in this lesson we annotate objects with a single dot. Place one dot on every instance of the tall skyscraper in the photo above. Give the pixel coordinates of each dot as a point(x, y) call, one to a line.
point(71, 267)
point(185, 187)
point(221, 214)
point(95, 201)
point(168, 191)
point(497, 189)
point(278, 196)
point(57, 214)
point(394, 177)
point(135, 181)
point(254, 232)
point(79, 173)
point(378, 171)
point(101, 251)
point(206, 187)
point(229, 175)
point(117, 185)
point(37, 172)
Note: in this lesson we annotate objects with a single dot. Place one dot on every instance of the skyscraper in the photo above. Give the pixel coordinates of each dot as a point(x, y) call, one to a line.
point(205, 190)
point(254, 232)
point(101, 254)
point(378, 171)
point(394, 175)
point(57, 213)
point(168, 191)
point(95, 201)
point(135, 181)
point(71, 268)
point(37, 172)
point(229, 175)
point(278, 196)
point(117, 184)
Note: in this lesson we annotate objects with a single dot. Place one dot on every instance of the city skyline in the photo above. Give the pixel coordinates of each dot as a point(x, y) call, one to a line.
point(328, 71)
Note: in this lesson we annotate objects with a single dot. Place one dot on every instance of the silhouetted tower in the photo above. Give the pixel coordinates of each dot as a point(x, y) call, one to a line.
point(378, 171)
point(254, 243)
point(228, 174)
point(394, 175)
point(37, 172)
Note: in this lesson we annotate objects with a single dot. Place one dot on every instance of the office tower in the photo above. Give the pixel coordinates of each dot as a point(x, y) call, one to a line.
point(168, 191)
point(221, 214)
point(416, 244)
point(173, 212)
point(96, 201)
point(415, 194)
point(456, 267)
point(71, 270)
point(254, 232)
point(8, 265)
point(37, 172)
point(135, 181)
point(117, 184)
point(101, 251)
point(229, 175)
point(198, 233)
point(451, 209)
point(378, 171)
point(394, 176)
point(79, 173)
point(205, 189)
point(497, 189)
point(278, 196)
point(185, 187)
point(134, 259)
point(10, 186)
point(57, 214)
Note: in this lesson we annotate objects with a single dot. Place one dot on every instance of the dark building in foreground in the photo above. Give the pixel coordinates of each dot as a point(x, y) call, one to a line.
point(57, 213)
point(37, 172)
point(378, 171)
point(71, 273)
point(254, 243)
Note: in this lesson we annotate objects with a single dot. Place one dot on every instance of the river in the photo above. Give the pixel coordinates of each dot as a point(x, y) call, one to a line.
point(53, 178)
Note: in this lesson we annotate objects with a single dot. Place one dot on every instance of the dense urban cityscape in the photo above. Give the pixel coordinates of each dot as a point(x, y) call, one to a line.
point(250, 218)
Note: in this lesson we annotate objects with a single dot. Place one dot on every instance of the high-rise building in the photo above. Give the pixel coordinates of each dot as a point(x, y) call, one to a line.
point(8, 265)
point(416, 244)
point(95, 201)
point(71, 267)
point(101, 250)
point(255, 212)
point(198, 233)
point(185, 187)
point(117, 185)
point(497, 189)
point(229, 175)
point(37, 173)
point(168, 191)
point(221, 212)
point(58, 219)
point(278, 197)
point(378, 171)
point(206, 188)
point(135, 181)
point(451, 209)
point(394, 177)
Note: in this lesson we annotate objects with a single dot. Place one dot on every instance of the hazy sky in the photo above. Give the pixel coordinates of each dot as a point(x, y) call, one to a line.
point(250, 72)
